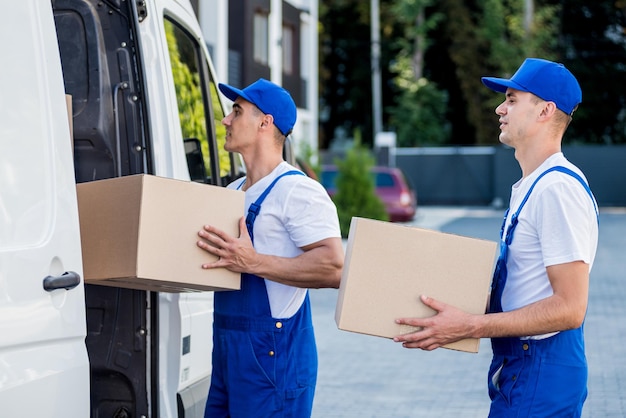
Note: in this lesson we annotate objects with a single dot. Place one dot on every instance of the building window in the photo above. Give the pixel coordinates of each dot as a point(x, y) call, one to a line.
point(261, 38)
point(288, 49)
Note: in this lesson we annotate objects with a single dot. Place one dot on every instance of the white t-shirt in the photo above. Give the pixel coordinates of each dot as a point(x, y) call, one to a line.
point(297, 212)
point(557, 225)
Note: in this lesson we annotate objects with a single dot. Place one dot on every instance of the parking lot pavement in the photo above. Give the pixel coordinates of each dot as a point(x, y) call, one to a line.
point(363, 376)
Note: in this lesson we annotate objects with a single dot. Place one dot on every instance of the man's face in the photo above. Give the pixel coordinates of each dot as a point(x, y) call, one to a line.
point(241, 125)
point(518, 114)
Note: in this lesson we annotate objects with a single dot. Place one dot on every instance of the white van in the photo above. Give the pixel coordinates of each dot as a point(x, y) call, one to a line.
point(143, 100)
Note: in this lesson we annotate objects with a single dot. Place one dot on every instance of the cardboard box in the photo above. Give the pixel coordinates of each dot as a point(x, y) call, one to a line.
point(389, 266)
point(140, 232)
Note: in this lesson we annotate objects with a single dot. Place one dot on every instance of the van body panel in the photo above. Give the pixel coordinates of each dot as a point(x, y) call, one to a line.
point(44, 367)
point(88, 350)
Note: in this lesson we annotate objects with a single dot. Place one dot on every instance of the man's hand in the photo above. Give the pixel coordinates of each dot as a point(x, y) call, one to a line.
point(235, 254)
point(448, 325)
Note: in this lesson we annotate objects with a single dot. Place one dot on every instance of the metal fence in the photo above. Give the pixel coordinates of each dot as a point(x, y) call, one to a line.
point(484, 175)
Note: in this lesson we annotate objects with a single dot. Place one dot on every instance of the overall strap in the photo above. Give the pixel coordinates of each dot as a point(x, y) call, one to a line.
point(500, 273)
point(255, 207)
point(584, 184)
point(241, 184)
point(514, 218)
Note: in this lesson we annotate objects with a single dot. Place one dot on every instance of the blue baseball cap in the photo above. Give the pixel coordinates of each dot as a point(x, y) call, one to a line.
point(545, 79)
point(270, 98)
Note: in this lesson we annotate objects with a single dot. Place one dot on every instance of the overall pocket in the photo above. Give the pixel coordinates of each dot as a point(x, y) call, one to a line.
point(504, 377)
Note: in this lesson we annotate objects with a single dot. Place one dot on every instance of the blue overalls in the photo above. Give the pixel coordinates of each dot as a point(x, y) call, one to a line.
point(262, 366)
point(528, 377)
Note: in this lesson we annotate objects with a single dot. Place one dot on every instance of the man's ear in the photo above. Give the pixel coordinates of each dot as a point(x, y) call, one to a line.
point(549, 109)
point(267, 120)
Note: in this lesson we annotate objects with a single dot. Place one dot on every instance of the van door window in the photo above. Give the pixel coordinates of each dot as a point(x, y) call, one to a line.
point(225, 158)
point(195, 104)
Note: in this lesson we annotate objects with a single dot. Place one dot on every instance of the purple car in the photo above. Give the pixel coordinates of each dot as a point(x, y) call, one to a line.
point(391, 187)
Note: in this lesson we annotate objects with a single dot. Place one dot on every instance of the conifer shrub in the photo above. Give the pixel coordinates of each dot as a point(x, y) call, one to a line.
point(355, 185)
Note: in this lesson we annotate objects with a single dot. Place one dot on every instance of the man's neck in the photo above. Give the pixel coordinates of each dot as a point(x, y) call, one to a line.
point(531, 156)
point(258, 169)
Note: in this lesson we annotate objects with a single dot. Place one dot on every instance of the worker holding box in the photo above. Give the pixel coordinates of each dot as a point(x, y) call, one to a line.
point(549, 237)
point(264, 353)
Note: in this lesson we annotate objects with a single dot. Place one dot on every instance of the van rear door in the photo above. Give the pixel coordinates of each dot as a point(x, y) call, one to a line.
point(44, 367)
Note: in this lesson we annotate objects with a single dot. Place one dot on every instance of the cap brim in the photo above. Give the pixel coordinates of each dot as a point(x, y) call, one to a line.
point(231, 92)
point(501, 84)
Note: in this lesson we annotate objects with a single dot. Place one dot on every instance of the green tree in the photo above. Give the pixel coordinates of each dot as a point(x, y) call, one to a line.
point(473, 39)
point(345, 102)
point(592, 43)
point(419, 117)
point(512, 34)
point(345, 66)
point(485, 37)
point(355, 194)
point(419, 114)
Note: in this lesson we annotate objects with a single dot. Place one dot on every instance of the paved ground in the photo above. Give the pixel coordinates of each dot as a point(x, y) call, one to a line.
point(363, 376)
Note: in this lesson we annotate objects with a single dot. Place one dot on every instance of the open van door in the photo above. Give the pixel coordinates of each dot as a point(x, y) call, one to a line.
point(44, 367)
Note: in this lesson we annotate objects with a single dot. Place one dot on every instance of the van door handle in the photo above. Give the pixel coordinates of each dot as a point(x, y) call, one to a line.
point(67, 281)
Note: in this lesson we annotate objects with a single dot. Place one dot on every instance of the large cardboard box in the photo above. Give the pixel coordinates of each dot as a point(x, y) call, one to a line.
point(140, 232)
point(389, 266)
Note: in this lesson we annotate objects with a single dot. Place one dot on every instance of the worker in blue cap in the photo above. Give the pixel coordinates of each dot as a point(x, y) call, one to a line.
point(539, 293)
point(264, 352)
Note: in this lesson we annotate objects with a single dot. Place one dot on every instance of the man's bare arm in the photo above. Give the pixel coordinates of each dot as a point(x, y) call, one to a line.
point(318, 266)
point(564, 310)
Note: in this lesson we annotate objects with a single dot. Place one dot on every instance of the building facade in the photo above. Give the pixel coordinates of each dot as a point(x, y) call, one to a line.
point(272, 39)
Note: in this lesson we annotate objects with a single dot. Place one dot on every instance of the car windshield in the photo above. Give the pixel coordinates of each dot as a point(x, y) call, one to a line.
point(384, 180)
point(329, 177)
